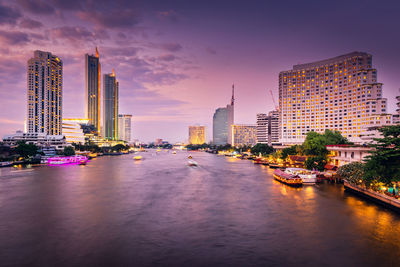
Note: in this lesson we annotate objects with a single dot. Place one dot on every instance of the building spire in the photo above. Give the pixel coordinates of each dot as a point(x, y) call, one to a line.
point(233, 95)
point(113, 72)
point(97, 52)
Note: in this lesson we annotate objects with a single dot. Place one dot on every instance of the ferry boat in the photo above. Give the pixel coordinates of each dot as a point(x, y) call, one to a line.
point(5, 164)
point(56, 161)
point(307, 176)
point(287, 178)
point(192, 163)
point(137, 157)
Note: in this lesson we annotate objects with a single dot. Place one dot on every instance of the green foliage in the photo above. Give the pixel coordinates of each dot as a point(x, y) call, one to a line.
point(197, 147)
point(293, 150)
point(383, 165)
point(316, 162)
point(315, 143)
point(352, 172)
point(264, 149)
point(120, 147)
point(26, 150)
point(69, 151)
point(87, 147)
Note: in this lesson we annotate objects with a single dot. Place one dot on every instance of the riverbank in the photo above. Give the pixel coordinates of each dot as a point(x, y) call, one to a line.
point(379, 198)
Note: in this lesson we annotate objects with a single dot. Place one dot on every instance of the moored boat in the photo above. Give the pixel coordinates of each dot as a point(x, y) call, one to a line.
point(307, 176)
point(5, 164)
point(274, 165)
point(57, 161)
point(287, 178)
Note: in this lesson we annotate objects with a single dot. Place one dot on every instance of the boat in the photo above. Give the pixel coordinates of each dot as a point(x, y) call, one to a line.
point(57, 161)
point(190, 157)
point(192, 163)
point(274, 165)
point(173, 152)
point(92, 155)
point(82, 162)
point(287, 178)
point(5, 164)
point(137, 157)
point(307, 176)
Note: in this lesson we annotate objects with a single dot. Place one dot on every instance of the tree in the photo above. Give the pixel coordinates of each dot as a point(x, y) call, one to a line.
point(383, 165)
point(119, 147)
point(26, 150)
point(315, 143)
point(316, 162)
point(262, 148)
point(293, 150)
point(352, 172)
point(69, 151)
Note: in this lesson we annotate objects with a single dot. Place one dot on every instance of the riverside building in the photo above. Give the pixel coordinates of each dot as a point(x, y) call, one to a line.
point(45, 84)
point(340, 93)
point(197, 135)
point(268, 128)
point(244, 134)
point(222, 120)
point(110, 107)
point(73, 130)
point(125, 127)
point(93, 89)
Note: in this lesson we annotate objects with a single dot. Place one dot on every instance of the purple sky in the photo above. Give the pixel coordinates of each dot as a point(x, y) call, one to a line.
point(176, 61)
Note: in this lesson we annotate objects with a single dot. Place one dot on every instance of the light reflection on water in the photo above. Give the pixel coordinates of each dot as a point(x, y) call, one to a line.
point(116, 211)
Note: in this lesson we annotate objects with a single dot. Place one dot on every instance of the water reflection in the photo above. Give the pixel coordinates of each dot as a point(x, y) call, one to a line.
point(116, 211)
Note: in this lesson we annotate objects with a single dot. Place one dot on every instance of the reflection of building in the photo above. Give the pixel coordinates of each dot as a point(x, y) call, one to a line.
point(124, 127)
point(222, 120)
point(73, 130)
point(340, 93)
point(197, 135)
point(110, 107)
point(39, 139)
point(45, 83)
point(344, 154)
point(244, 135)
point(93, 89)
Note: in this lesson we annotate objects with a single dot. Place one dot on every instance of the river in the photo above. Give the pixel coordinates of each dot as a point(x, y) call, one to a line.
point(160, 212)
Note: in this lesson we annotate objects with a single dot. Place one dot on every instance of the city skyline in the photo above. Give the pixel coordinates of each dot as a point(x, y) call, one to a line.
point(169, 61)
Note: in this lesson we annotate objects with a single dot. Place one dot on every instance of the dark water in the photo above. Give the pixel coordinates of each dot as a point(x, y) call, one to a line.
point(160, 212)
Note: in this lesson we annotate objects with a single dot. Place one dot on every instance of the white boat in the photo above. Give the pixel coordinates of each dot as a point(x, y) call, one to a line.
point(307, 176)
point(192, 163)
point(5, 164)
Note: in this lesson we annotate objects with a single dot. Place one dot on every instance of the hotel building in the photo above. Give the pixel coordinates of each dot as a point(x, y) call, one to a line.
point(222, 120)
point(73, 130)
point(45, 83)
point(197, 135)
point(93, 89)
point(110, 107)
point(125, 127)
point(340, 93)
point(268, 128)
point(244, 135)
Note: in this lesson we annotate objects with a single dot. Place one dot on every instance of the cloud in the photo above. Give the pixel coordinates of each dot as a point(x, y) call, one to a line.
point(8, 15)
point(172, 47)
point(119, 51)
point(30, 24)
point(169, 15)
point(36, 7)
point(13, 37)
point(111, 18)
point(211, 50)
point(77, 33)
point(167, 57)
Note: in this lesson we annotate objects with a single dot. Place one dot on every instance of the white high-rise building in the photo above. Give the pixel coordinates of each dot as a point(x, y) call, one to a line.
point(125, 127)
point(340, 93)
point(45, 83)
point(262, 128)
point(268, 128)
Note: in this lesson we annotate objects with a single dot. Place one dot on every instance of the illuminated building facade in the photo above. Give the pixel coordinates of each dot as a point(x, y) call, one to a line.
point(340, 93)
point(197, 135)
point(125, 127)
point(73, 130)
point(93, 89)
point(244, 135)
point(45, 83)
point(268, 128)
point(110, 107)
point(222, 120)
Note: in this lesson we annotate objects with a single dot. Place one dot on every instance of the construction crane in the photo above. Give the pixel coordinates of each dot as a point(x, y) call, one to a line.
point(273, 99)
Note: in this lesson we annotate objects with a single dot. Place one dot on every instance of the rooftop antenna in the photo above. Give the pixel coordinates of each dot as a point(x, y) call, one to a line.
point(233, 95)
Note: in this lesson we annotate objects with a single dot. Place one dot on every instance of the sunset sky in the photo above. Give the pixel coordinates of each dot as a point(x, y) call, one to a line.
point(176, 60)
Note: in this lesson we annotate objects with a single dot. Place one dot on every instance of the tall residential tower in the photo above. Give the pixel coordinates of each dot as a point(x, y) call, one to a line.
point(124, 127)
point(110, 106)
point(93, 89)
point(45, 83)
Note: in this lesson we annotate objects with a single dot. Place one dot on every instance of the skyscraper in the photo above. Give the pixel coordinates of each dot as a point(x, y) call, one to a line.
point(124, 127)
point(93, 89)
point(244, 135)
point(340, 93)
point(273, 127)
point(45, 83)
point(262, 128)
point(197, 135)
point(222, 120)
point(110, 106)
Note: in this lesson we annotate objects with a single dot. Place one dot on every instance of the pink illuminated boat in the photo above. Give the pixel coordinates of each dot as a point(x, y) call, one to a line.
point(77, 159)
